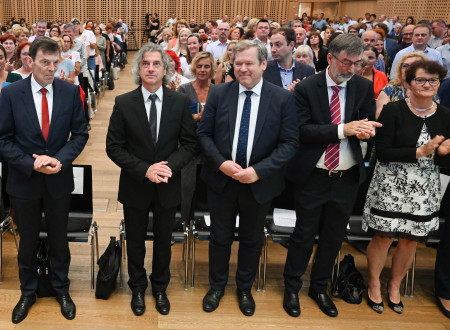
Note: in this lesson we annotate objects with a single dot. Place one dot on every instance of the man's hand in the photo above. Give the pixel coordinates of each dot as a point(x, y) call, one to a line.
point(361, 128)
point(229, 168)
point(291, 88)
point(247, 175)
point(444, 148)
point(46, 164)
point(159, 172)
point(433, 144)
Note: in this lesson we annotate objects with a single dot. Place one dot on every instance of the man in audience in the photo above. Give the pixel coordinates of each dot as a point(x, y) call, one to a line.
point(296, 24)
point(217, 48)
point(262, 34)
point(41, 28)
point(300, 37)
point(283, 71)
point(444, 50)
point(151, 138)
point(320, 23)
point(333, 108)
point(421, 36)
point(370, 38)
point(347, 22)
point(247, 134)
point(42, 131)
point(383, 19)
point(171, 20)
point(438, 31)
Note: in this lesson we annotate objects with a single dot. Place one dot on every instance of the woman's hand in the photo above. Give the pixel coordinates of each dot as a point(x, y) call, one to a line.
point(9, 66)
point(444, 148)
point(198, 116)
point(62, 74)
point(428, 148)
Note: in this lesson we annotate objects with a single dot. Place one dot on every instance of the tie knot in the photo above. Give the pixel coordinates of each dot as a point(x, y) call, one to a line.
point(43, 91)
point(153, 97)
point(336, 89)
point(249, 93)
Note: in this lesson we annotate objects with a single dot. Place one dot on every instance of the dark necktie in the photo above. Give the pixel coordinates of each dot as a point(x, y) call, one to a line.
point(45, 116)
point(241, 150)
point(332, 152)
point(153, 118)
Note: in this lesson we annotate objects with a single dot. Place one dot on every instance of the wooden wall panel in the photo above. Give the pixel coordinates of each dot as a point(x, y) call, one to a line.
point(419, 9)
point(357, 9)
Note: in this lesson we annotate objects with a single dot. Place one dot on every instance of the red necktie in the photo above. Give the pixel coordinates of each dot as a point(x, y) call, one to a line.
point(45, 116)
point(332, 152)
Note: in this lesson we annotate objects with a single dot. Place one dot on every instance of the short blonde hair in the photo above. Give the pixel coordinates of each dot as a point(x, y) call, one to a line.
point(225, 57)
point(18, 31)
point(398, 80)
point(201, 56)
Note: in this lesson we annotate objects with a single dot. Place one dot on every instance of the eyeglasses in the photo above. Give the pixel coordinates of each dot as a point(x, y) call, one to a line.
point(423, 81)
point(223, 29)
point(25, 54)
point(347, 63)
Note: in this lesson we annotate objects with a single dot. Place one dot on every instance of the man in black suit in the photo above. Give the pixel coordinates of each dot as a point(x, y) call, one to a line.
point(328, 167)
point(247, 134)
point(283, 71)
point(42, 131)
point(150, 137)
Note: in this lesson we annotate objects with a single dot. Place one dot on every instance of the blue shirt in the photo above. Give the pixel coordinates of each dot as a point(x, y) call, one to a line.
point(286, 75)
point(217, 49)
point(445, 54)
point(432, 54)
point(320, 24)
point(67, 66)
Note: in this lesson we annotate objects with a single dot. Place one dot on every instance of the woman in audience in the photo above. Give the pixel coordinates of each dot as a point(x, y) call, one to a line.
point(397, 88)
point(9, 42)
point(379, 45)
point(379, 78)
point(304, 54)
point(69, 53)
point(24, 60)
point(178, 26)
point(22, 34)
point(319, 50)
point(6, 77)
point(66, 69)
point(235, 34)
point(55, 31)
point(403, 200)
point(225, 70)
point(175, 68)
point(101, 43)
point(327, 34)
point(409, 20)
point(194, 46)
point(353, 29)
point(181, 46)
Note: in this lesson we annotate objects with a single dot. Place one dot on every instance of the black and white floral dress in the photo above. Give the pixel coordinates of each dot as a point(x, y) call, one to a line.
point(404, 198)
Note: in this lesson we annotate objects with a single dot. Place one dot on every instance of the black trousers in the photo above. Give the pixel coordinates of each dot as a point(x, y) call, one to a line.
point(323, 206)
point(136, 222)
point(442, 269)
point(237, 198)
point(28, 216)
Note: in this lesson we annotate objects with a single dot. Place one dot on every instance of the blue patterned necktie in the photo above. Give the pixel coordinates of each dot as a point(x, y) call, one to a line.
point(241, 150)
point(153, 118)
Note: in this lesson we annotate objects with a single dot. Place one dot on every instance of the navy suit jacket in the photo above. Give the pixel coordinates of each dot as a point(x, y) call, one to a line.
point(272, 73)
point(275, 140)
point(21, 137)
point(316, 129)
point(391, 49)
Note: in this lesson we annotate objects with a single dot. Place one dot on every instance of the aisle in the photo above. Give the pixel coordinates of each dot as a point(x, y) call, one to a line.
point(186, 306)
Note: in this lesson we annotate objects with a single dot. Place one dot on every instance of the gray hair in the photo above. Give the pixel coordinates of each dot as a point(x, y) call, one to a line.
point(347, 42)
point(41, 21)
point(70, 26)
point(246, 44)
point(149, 48)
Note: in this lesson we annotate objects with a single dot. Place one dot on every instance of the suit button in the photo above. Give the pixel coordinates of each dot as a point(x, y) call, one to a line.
point(46, 150)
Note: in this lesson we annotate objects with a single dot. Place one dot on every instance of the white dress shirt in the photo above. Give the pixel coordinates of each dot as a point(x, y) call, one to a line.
point(255, 97)
point(346, 157)
point(37, 98)
point(148, 103)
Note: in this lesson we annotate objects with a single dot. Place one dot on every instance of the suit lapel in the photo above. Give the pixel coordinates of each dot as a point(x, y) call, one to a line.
point(138, 107)
point(56, 108)
point(263, 108)
point(275, 73)
point(30, 107)
point(322, 97)
point(232, 104)
point(165, 112)
point(350, 100)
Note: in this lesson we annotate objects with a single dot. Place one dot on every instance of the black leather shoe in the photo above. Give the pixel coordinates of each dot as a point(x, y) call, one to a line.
point(20, 312)
point(162, 302)
point(324, 301)
point(291, 304)
point(212, 299)
point(445, 311)
point(246, 302)
point(138, 303)
point(68, 309)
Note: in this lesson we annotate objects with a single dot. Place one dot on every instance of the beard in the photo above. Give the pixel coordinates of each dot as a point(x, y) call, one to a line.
point(341, 76)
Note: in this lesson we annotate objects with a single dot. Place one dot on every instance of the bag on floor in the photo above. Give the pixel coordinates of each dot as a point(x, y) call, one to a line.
point(109, 265)
point(349, 283)
point(44, 272)
point(110, 81)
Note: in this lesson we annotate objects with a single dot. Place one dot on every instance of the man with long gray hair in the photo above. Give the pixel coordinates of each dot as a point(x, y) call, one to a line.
point(150, 137)
point(335, 108)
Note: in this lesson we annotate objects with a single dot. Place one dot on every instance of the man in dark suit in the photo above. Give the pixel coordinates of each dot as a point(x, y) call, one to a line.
point(333, 107)
point(42, 131)
point(247, 134)
point(150, 137)
point(283, 71)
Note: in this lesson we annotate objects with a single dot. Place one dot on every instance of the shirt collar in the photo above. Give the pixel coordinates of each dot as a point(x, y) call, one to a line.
point(288, 70)
point(36, 87)
point(256, 89)
point(146, 93)
point(330, 82)
point(414, 49)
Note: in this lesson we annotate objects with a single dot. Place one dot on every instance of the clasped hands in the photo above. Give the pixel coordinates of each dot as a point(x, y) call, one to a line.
point(159, 172)
point(438, 142)
point(363, 129)
point(235, 171)
point(46, 164)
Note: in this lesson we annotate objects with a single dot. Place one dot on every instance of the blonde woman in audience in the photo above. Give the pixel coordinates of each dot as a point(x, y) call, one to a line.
point(181, 46)
point(304, 55)
point(225, 70)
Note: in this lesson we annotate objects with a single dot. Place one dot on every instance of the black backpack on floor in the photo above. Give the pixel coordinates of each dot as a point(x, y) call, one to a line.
point(349, 283)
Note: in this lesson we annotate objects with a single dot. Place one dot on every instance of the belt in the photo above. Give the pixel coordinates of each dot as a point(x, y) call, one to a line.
point(336, 174)
point(93, 56)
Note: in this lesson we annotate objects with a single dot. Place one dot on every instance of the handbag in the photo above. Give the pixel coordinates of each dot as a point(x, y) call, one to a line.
point(109, 265)
point(349, 283)
point(44, 271)
point(110, 81)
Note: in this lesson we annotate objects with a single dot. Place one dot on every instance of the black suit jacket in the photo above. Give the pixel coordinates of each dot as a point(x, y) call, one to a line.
point(272, 73)
point(129, 144)
point(21, 137)
point(275, 140)
point(316, 129)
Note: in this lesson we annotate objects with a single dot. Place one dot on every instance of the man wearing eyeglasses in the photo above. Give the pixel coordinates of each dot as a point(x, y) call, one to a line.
point(217, 48)
point(421, 36)
point(335, 109)
point(445, 53)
